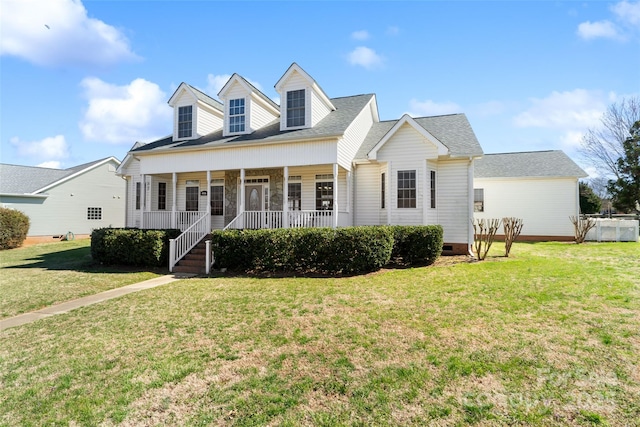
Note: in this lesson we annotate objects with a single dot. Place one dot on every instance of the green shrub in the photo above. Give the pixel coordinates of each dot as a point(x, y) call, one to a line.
point(14, 226)
point(348, 250)
point(416, 244)
point(129, 246)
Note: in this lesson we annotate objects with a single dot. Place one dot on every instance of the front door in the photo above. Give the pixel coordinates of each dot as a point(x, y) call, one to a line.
point(253, 198)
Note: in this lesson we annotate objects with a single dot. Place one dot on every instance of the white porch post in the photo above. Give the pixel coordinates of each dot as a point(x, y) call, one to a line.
point(285, 198)
point(143, 196)
point(241, 207)
point(208, 201)
point(174, 185)
point(335, 195)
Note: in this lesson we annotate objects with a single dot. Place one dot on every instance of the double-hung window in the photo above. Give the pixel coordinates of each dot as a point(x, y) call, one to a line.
point(138, 196)
point(432, 189)
point(295, 193)
point(478, 199)
point(295, 108)
point(162, 196)
point(185, 121)
point(192, 195)
point(383, 190)
point(217, 197)
point(324, 192)
point(236, 115)
point(407, 189)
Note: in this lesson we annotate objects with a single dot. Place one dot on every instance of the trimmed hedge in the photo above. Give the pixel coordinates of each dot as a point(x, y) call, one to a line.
point(14, 226)
point(131, 246)
point(416, 244)
point(348, 250)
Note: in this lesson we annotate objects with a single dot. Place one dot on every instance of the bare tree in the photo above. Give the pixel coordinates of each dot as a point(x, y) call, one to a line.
point(512, 228)
point(602, 145)
point(484, 233)
point(581, 227)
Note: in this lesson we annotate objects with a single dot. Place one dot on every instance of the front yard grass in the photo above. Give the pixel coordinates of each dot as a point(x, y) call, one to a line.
point(37, 276)
point(548, 337)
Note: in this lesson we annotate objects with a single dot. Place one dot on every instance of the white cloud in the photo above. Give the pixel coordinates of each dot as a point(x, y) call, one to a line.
point(627, 12)
point(432, 108)
point(365, 57)
point(215, 83)
point(59, 32)
point(124, 114)
point(53, 164)
point(360, 35)
point(53, 147)
point(592, 30)
point(577, 109)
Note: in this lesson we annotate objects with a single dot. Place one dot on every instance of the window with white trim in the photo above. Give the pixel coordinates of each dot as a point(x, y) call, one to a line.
point(162, 196)
point(192, 193)
point(295, 108)
point(138, 195)
point(324, 192)
point(478, 199)
point(382, 190)
point(295, 193)
point(236, 115)
point(406, 189)
point(185, 121)
point(94, 213)
point(432, 189)
point(217, 197)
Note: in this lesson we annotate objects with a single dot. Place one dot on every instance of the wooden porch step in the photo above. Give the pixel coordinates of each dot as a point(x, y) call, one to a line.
point(189, 269)
point(194, 261)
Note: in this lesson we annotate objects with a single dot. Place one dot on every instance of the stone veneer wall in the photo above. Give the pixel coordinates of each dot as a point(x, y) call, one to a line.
point(276, 192)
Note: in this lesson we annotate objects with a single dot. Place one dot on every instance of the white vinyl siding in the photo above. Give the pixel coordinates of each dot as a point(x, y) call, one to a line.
point(260, 156)
point(354, 135)
point(453, 200)
point(207, 120)
point(66, 207)
point(319, 109)
point(367, 195)
point(544, 205)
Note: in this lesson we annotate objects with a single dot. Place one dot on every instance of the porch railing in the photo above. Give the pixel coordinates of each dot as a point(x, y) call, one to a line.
point(163, 219)
point(181, 245)
point(276, 219)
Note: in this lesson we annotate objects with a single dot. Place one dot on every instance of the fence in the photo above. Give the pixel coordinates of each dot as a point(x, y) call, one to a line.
point(614, 230)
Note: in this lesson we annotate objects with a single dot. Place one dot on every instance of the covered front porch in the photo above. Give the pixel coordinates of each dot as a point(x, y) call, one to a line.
point(287, 197)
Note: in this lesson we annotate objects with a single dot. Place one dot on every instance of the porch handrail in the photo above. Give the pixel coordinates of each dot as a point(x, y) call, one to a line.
point(181, 245)
point(277, 219)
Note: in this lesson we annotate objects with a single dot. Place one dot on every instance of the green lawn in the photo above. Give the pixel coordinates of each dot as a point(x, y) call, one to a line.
point(38, 276)
point(550, 336)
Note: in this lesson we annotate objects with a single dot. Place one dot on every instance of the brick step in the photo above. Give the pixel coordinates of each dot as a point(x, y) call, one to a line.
point(188, 269)
point(192, 262)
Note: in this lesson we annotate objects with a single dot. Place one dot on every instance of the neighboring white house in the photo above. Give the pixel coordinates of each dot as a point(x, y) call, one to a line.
point(313, 161)
point(58, 201)
point(541, 187)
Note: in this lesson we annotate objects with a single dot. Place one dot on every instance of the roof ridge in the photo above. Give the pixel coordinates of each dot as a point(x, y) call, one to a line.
point(525, 152)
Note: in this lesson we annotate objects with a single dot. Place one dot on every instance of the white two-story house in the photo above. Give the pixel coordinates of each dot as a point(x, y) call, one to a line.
point(312, 161)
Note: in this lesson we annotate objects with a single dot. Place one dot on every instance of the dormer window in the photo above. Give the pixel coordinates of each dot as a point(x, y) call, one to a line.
point(236, 115)
point(295, 108)
point(185, 121)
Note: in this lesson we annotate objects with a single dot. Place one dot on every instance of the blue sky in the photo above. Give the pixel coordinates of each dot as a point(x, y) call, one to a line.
point(85, 80)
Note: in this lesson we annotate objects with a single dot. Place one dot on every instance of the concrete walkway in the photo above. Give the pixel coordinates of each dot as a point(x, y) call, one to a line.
point(66, 307)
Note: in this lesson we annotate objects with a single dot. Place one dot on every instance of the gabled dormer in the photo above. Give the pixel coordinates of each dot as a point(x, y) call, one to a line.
point(302, 102)
point(194, 113)
point(245, 107)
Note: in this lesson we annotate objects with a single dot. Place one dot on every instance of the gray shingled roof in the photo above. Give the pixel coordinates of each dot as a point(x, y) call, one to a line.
point(527, 164)
point(453, 131)
point(333, 125)
point(16, 179)
point(206, 98)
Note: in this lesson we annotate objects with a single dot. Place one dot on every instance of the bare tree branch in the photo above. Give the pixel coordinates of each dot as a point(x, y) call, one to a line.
point(602, 145)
